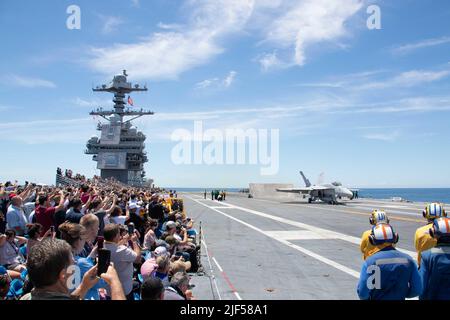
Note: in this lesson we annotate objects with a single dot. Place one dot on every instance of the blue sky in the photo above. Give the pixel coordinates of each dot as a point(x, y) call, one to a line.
point(369, 108)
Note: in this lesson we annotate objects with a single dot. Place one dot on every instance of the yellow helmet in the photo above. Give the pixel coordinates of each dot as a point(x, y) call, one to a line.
point(378, 216)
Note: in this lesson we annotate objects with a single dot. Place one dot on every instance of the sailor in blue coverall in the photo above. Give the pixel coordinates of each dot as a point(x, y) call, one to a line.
point(388, 274)
point(435, 265)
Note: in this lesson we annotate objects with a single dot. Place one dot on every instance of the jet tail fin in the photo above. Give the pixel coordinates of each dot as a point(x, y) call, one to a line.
point(307, 183)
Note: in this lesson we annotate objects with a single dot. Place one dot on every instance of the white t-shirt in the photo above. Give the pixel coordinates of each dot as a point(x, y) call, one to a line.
point(119, 219)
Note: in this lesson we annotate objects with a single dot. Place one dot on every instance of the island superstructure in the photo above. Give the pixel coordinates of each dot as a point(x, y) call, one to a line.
point(120, 150)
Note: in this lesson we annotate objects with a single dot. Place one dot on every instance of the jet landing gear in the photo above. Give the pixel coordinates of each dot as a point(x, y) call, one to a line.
point(333, 202)
point(311, 199)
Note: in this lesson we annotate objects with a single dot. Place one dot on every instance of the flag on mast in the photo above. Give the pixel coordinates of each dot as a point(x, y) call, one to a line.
point(130, 101)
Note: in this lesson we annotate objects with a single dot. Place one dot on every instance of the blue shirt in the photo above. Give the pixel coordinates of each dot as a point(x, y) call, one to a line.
point(85, 264)
point(389, 275)
point(435, 273)
point(164, 278)
point(15, 217)
point(73, 216)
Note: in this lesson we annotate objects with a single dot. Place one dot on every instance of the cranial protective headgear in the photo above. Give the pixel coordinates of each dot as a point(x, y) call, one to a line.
point(434, 210)
point(441, 228)
point(383, 233)
point(378, 216)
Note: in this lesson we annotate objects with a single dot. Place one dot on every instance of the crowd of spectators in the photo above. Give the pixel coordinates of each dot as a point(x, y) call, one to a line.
point(68, 173)
point(51, 237)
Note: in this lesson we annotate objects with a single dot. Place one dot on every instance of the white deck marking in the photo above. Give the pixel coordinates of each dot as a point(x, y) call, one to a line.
point(329, 234)
point(414, 214)
point(297, 235)
point(211, 268)
point(217, 264)
point(316, 256)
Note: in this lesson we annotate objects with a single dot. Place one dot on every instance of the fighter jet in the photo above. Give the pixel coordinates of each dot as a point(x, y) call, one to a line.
point(328, 193)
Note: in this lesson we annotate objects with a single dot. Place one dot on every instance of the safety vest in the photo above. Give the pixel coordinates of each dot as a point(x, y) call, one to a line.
point(367, 249)
point(423, 240)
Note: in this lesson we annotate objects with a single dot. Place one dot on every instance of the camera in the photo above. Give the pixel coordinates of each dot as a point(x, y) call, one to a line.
point(131, 228)
point(104, 258)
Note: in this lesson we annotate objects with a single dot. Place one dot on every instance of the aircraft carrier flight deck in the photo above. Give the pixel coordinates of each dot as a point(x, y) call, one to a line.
point(278, 249)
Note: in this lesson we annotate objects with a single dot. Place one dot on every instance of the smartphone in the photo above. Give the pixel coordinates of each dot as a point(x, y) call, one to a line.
point(52, 229)
point(131, 228)
point(100, 241)
point(104, 259)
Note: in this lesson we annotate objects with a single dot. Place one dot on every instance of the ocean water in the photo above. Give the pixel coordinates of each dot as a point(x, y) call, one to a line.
point(411, 194)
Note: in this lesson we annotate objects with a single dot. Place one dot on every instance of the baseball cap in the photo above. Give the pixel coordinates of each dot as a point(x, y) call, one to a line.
point(133, 206)
point(159, 251)
point(170, 224)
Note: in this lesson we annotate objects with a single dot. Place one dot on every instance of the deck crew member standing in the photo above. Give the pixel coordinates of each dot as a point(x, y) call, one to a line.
point(435, 266)
point(423, 240)
point(388, 274)
point(367, 249)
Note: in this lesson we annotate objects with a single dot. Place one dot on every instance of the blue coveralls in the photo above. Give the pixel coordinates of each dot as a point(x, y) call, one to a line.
point(435, 273)
point(398, 276)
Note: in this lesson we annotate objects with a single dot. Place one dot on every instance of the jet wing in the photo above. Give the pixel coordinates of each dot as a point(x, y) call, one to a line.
point(306, 190)
point(323, 188)
point(295, 190)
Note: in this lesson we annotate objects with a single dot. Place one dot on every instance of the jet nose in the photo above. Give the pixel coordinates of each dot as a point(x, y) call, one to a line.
point(348, 193)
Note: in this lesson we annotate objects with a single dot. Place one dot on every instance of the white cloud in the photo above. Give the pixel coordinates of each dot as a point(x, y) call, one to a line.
point(383, 136)
point(415, 104)
point(379, 79)
point(26, 82)
point(165, 55)
point(43, 131)
point(91, 102)
point(415, 77)
point(229, 79)
point(407, 48)
point(169, 26)
point(110, 23)
point(309, 22)
point(270, 61)
point(288, 26)
point(321, 84)
point(206, 83)
point(406, 79)
point(299, 118)
point(216, 82)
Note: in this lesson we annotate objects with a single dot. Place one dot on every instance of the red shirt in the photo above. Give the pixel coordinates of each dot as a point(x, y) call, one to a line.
point(45, 216)
point(85, 197)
